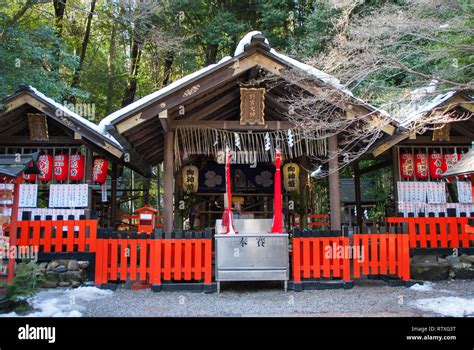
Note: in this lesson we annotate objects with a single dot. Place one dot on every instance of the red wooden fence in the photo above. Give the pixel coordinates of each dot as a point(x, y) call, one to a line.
point(381, 254)
point(153, 260)
point(321, 257)
point(58, 235)
point(312, 220)
point(430, 232)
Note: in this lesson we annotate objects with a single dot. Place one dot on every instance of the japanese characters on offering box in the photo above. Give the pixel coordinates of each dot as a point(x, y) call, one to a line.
point(68, 196)
point(28, 196)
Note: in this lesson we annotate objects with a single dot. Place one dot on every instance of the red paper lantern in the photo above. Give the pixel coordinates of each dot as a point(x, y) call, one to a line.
point(406, 165)
point(436, 165)
point(99, 172)
point(421, 165)
point(45, 165)
point(61, 167)
point(76, 167)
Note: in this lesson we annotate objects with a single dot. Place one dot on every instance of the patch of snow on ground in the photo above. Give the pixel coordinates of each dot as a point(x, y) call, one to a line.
point(447, 306)
point(62, 302)
point(425, 287)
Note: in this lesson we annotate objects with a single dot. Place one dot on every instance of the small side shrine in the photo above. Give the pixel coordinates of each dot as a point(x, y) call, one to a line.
point(79, 163)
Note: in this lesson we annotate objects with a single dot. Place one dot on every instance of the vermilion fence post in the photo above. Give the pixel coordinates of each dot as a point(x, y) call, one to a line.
point(188, 258)
point(317, 255)
point(306, 258)
point(167, 259)
point(297, 259)
point(208, 261)
point(98, 262)
point(143, 259)
point(124, 254)
point(198, 259)
point(177, 259)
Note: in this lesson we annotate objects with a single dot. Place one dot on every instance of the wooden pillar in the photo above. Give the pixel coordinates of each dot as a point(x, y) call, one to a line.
point(146, 191)
point(14, 226)
point(395, 175)
point(168, 181)
point(113, 196)
point(89, 167)
point(334, 191)
point(158, 188)
point(178, 193)
point(358, 194)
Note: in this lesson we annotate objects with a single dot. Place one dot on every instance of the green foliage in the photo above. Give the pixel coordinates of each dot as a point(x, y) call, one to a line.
point(24, 282)
point(33, 55)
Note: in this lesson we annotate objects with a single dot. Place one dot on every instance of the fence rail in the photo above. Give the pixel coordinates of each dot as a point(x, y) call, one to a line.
point(381, 254)
point(432, 232)
point(154, 260)
point(314, 256)
point(58, 235)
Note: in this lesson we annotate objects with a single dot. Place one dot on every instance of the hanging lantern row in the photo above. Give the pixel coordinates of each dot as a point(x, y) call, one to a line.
point(422, 165)
point(62, 166)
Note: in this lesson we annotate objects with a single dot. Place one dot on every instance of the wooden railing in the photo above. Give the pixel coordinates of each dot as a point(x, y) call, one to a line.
point(432, 232)
point(154, 260)
point(312, 220)
point(381, 254)
point(58, 235)
point(318, 255)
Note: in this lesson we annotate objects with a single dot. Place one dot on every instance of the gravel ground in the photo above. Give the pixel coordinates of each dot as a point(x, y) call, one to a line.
point(367, 298)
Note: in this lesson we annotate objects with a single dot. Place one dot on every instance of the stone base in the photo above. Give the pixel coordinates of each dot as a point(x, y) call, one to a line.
point(319, 285)
point(185, 287)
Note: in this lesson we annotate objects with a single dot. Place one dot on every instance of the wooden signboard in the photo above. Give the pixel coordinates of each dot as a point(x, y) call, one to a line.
point(252, 106)
point(38, 126)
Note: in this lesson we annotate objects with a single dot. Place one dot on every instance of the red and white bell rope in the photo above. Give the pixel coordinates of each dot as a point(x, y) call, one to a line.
point(227, 217)
point(277, 226)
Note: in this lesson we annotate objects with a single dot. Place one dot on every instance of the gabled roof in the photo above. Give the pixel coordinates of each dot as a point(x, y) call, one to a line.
point(421, 106)
point(240, 51)
point(464, 167)
point(211, 95)
point(13, 167)
point(88, 130)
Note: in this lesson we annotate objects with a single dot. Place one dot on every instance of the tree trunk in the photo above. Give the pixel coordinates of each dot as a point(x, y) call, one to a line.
point(77, 74)
point(211, 54)
point(59, 8)
point(135, 55)
point(111, 69)
point(167, 70)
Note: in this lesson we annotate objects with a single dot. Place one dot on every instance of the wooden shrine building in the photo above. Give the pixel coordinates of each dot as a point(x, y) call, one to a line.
point(32, 122)
point(188, 124)
point(419, 160)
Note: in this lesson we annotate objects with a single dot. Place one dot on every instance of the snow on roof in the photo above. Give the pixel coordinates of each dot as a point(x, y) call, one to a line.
point(417, 108)
point(155, 95)
point(247, 39)
point(324, 77)
point(81, 120)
